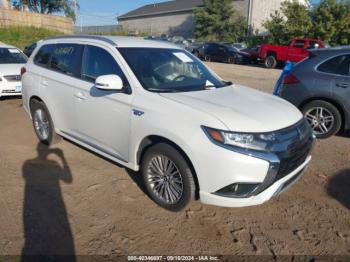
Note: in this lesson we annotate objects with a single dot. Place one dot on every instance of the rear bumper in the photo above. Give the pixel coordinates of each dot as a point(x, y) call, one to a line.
point(273, 190)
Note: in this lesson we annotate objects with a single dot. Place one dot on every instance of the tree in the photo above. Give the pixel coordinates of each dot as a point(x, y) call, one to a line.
point(48, 6)
point(293, 20)
point(331, 20)
point(218, 21)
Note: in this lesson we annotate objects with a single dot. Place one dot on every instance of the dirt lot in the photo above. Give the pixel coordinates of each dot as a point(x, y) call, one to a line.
point(95, 207)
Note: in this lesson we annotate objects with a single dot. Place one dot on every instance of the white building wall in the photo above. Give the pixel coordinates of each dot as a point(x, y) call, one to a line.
point(261, 11)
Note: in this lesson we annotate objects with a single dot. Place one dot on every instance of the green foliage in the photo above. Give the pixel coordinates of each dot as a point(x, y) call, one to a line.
point(293, 20)
point(22, 36)
point(48, 6)
point(329, 20)
point(218, 21)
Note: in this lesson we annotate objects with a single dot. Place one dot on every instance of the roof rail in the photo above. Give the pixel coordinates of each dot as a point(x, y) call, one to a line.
point(92, 37)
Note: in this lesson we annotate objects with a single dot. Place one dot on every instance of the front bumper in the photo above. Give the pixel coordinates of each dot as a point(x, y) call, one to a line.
point(273, 190)
point(285, 162)
point(10, 88)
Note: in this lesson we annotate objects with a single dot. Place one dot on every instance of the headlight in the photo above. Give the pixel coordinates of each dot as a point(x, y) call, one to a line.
point(254, 141)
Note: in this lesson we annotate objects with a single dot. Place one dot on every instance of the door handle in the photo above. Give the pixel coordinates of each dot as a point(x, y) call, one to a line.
point(80, 96)
point(342, 85)
point(44, 83)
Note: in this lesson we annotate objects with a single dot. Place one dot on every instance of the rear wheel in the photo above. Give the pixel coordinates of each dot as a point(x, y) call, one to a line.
point(42, 123)
point(323, 117)
point(167, 177)
point(270, 62)
point(207, 58)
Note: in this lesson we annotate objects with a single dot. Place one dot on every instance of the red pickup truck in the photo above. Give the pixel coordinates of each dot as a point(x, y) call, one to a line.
point(296, 51)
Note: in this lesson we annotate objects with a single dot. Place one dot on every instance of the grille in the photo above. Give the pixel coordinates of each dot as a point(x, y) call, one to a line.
point(298, 149)
point(13, 78)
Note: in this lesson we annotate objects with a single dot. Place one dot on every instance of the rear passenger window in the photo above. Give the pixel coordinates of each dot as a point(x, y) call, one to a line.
point(43, 56)
point(335, 65)
point(98, 62)
point(66, 58)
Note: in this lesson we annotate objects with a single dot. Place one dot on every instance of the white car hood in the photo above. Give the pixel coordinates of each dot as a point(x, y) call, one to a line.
point(241, 109)
point(10, 69)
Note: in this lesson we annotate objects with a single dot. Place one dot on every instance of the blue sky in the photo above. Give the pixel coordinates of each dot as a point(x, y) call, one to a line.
point(103, 12)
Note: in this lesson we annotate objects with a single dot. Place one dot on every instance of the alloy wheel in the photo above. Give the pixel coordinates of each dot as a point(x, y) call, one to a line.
point(165, 179)
point(320, 119)
point(41, 124)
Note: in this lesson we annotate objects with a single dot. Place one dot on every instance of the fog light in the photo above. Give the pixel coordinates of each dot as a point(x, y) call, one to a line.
point(239, 190)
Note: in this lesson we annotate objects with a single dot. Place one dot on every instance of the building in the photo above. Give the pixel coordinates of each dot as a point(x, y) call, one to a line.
point(176, 17)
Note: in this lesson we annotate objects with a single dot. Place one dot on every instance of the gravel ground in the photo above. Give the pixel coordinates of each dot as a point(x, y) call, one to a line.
point(93, 206)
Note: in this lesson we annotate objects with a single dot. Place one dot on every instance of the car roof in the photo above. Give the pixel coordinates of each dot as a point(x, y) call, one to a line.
point(331, 50)
point(118, 41)
point(2, 45)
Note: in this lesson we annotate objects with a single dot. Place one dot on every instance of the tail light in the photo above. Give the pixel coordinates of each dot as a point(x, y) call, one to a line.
point(23, 71)
point(290, 79)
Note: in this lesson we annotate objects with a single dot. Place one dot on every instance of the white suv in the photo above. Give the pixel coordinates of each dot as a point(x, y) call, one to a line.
point(153, 107)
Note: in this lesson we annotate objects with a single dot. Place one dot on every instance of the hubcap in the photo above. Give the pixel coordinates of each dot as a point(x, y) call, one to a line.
point(165, 179)
point(41, 124)
point(320, 119)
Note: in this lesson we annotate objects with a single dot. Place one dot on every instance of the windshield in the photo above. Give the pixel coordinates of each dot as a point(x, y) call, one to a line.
point(169, 70)
point(12, 56)
point(232, 48)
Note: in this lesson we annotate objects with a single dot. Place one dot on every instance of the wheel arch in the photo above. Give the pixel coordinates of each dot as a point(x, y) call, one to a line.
point(32, 99)
point(345, 121)
point(152, 140)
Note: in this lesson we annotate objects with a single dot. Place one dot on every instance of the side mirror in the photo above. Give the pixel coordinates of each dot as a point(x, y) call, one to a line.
point(109, 82)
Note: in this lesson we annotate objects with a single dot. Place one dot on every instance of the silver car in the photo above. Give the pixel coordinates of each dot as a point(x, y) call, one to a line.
point(320, 87)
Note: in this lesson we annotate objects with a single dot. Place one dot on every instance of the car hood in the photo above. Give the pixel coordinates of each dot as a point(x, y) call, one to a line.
point(10, 69)
point(240, 108)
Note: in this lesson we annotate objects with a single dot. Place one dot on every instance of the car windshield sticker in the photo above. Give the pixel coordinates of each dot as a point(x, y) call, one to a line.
point(183, 57)
point(13, 51)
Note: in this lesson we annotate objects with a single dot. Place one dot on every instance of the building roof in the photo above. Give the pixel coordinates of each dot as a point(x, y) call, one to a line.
point(162, 8)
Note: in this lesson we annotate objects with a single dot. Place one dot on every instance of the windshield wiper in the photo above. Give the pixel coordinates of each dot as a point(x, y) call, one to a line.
point(159, 90)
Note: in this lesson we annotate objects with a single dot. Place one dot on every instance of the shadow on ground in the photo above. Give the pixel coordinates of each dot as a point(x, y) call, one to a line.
point(338, 187)
point(46, 226)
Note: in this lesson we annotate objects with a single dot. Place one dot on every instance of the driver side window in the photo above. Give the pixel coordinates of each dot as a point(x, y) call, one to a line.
point(98, 62)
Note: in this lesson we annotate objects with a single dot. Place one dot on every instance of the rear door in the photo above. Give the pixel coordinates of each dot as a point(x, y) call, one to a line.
point(337, 72)
point(60, 71)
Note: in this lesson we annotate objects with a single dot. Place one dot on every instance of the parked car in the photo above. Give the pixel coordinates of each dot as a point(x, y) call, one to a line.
point(154, 107)
point(254, 53)
point(11, 62)
point(193, 48)
point(320, 87)
point(28, 50)
point(296, 51)
point(223, 53)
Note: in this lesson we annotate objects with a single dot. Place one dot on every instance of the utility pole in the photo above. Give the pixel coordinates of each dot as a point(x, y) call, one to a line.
point(250, 11)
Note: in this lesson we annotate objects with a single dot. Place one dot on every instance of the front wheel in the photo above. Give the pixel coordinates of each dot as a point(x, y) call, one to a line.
point(167, 176)
point(323, 117)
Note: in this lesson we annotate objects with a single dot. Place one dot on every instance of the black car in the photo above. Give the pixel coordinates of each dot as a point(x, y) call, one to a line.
point(320, 87)
point(223, 53)
point(28, 50)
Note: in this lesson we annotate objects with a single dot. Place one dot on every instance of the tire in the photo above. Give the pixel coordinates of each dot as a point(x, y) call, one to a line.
point(207, 58)
point(182, 181)
point(42, 123)
point(231, 60)
point(270, 62)
point(324, 118)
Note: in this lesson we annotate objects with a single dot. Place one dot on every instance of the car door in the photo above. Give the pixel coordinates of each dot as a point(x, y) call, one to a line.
point(59, 75)
point(103, 116)
point(297, 51)
point(222, 54)
point(341, 82)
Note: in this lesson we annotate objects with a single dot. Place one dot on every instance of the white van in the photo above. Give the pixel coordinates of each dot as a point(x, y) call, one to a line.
point(153, 107)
